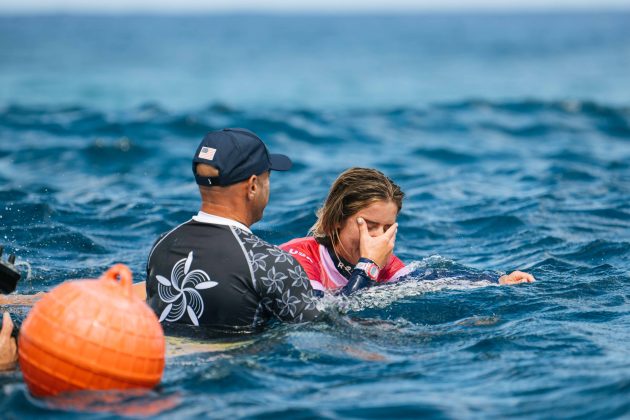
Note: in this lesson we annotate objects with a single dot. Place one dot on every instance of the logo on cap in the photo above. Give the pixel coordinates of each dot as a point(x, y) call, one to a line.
point(207, 153)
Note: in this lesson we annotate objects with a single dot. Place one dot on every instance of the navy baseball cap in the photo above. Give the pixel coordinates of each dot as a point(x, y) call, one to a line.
point(238, 154)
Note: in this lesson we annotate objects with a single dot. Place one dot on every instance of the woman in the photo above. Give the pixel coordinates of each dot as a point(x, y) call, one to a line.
point(351, 244)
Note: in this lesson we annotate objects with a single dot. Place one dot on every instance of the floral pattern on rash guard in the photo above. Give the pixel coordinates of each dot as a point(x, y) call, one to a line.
point(281, 281)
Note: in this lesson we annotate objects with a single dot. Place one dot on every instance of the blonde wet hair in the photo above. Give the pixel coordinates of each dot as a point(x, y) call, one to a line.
point(354, 190)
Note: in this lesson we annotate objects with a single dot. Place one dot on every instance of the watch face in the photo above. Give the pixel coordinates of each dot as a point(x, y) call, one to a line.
point(373, 271)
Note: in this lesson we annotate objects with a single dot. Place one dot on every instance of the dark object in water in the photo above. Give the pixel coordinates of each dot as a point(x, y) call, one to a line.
point(9, 275)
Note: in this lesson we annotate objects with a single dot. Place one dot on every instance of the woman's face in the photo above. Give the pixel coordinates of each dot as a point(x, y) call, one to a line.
point(379, 216)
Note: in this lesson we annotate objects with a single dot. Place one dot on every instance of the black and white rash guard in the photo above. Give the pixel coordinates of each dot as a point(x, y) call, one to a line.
point(214, 272)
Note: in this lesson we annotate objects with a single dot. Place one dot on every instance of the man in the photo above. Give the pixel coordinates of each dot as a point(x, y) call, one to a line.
point(212, 271)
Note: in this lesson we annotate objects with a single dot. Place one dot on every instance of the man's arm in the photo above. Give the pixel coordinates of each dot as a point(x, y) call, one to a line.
point(301, 255)
point(286, 289)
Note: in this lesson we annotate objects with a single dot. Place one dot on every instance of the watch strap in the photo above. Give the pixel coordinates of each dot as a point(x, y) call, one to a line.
point(369, 267)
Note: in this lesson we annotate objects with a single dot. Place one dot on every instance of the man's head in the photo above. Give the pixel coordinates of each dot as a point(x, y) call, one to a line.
point(237, 154)
point(232, 169)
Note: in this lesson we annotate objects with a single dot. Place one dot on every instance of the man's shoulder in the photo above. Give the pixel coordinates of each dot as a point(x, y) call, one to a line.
point(164, 235)
point(251, 239)
point(255, 244)
point(270, 265)
point(189, 231)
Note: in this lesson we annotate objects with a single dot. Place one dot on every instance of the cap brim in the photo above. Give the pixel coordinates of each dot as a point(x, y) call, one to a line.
point(280, 162)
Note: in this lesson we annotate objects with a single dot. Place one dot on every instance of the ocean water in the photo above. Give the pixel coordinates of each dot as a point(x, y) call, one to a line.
point(509, 134)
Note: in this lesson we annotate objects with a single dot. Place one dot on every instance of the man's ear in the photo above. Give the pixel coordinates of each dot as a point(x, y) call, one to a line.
point(252, 187)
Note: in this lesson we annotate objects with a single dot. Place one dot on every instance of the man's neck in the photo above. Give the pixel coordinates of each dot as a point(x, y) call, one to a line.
point(227, 212)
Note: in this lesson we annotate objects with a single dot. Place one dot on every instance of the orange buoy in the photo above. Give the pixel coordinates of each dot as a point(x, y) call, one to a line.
point(91, 334)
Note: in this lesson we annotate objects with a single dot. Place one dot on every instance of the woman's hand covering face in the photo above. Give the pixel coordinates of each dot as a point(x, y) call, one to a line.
point(376, 248)
point(378, 219)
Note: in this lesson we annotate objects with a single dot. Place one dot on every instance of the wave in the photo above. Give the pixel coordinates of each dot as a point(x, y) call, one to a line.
point(529, 106)
point(598, 251)
point(432, 274)
point(384, 296)
point(310, 125)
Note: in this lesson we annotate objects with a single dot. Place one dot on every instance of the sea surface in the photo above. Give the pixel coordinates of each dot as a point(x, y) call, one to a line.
point(510, 135)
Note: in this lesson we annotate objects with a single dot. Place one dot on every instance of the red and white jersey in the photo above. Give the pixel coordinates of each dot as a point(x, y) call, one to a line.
point(321, 269)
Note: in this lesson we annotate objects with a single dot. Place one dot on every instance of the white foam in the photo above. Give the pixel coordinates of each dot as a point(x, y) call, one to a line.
point(384, 295)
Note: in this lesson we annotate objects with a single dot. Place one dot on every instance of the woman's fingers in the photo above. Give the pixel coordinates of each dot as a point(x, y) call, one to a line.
point(524, 276)
point(517, 277)
point(363, 230)
point(392, 240)
point(391, 232)
point(376, 248)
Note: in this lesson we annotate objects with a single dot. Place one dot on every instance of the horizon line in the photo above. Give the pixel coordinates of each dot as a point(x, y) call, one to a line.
point(349, 11)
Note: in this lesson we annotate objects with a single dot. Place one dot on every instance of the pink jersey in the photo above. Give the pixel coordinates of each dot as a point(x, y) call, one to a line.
point(321, 270)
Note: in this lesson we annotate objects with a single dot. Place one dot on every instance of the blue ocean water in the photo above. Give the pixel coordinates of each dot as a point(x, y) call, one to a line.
point(510, 135)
